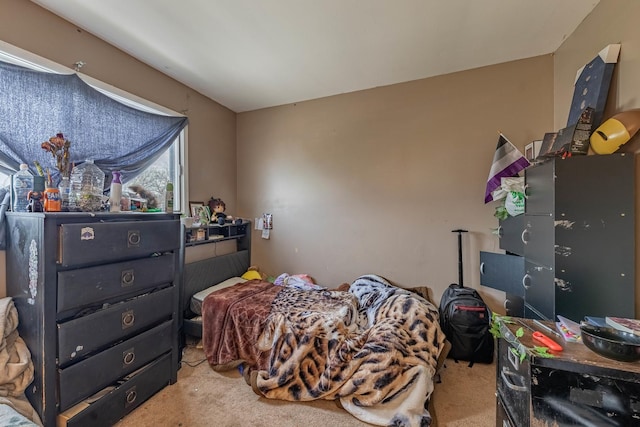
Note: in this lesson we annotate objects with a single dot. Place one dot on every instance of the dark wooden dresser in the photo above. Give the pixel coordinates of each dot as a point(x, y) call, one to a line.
point(573, 251)
point(577, 387)
point(97, 295)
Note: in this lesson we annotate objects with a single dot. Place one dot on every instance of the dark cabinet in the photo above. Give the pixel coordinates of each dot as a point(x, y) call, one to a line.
point(578, 239)
point(510, 234)
point(576, 387)
point(97, 295)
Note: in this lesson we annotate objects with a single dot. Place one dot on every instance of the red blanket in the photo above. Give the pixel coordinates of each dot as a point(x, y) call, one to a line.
point(233, 319)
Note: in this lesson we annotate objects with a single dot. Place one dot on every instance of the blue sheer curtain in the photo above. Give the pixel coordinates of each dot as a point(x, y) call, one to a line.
point(35, 106)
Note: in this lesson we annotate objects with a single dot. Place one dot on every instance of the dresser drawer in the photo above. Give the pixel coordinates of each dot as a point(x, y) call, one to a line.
point(86, 286)
point(540, 290)
point(574, 399)
point(82, 336)
point(120, 400)
point(94, 373)
point(514, 383)
point(100, 242)
point(503, 272)
point(510, 234)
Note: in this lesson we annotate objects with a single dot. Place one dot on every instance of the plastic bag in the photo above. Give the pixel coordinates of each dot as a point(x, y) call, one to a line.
point(512, 191)
point(514, 203)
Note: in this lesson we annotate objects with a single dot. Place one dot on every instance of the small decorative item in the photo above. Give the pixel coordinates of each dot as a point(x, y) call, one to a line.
point(548, 141)
point(217, 207)
point(35, 196)
point(58, 146)
point(615, 132)
point(205, 215)
point(194, 208)
point(591, 87)
point(532, 150)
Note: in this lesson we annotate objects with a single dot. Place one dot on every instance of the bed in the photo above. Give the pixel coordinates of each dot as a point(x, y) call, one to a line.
point(373, 348)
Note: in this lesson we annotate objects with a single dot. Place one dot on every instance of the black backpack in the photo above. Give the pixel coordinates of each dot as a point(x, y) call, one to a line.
point(465, 319)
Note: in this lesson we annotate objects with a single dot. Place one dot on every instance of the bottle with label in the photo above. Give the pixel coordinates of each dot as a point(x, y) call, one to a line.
point(52, 199)
point(116, 192)
point(87, 186)
point(65, 188)
point(22, 185)
point(168, 198)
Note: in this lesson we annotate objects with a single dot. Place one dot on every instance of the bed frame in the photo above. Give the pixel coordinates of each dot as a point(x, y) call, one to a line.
point(199, 275)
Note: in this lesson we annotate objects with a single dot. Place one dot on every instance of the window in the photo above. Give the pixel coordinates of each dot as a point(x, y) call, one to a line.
point(168, 167)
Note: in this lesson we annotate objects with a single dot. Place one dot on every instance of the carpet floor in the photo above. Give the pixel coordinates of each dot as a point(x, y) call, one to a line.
point(203, 397)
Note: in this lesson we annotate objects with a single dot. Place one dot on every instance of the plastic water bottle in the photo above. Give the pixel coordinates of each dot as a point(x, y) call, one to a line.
point(116, 192)
point(22, 185)
point(65, 188)
point(168, 198)
point(87, 185)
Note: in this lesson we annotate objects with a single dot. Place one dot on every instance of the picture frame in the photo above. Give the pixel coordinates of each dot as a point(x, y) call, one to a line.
point(548, 142)
point(194, 208)
point(532, 150)
point(205, 214)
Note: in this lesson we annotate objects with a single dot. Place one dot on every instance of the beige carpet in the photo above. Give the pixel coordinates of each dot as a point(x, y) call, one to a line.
point(203, 397)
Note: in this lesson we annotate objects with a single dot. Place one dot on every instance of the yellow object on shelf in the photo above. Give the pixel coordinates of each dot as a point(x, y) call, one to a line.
point(615, 132)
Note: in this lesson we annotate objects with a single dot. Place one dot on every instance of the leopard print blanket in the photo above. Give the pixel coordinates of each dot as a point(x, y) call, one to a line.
point(375, 348)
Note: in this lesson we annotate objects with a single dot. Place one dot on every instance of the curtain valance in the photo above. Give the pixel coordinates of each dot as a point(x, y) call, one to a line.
point(36, 105)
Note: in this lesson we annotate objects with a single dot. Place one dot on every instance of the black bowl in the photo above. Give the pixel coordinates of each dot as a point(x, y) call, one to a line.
point(611, 343)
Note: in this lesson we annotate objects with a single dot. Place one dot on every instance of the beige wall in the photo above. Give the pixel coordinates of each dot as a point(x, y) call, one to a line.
point(612, 21)
point(374, 181)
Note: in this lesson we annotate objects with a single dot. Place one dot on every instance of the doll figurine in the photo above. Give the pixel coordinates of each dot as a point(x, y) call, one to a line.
point(218, 207)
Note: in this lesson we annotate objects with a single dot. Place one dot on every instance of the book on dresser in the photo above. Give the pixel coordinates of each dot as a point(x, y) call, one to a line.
point(624, 324)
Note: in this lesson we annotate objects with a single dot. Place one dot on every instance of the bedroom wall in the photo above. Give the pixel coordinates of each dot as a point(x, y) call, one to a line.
point(212, 127)
point(375, 181)
point(612, 21)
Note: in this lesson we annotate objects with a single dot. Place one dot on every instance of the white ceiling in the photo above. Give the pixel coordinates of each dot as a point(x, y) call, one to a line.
point(251, 54)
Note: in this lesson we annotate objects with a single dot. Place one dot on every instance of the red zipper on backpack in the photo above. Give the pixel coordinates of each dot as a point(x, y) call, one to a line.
point(469, 308)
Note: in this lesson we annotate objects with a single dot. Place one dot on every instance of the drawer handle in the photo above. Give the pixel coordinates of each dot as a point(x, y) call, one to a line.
point(134, 238)
point(500, 232)
point(128, 356)
point(128, 319)
point(525, 236)
point(526, 191)
point(514, 359)
point(482, 268)
point(505, 374)
point(526, 281)
point(127, 277)
point(130, 396)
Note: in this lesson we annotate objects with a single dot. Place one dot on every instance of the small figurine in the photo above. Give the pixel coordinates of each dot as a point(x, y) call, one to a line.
point(35, 201)
point(217, 207)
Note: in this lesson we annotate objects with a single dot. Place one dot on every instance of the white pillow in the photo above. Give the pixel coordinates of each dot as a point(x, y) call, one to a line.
point(198, 298)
